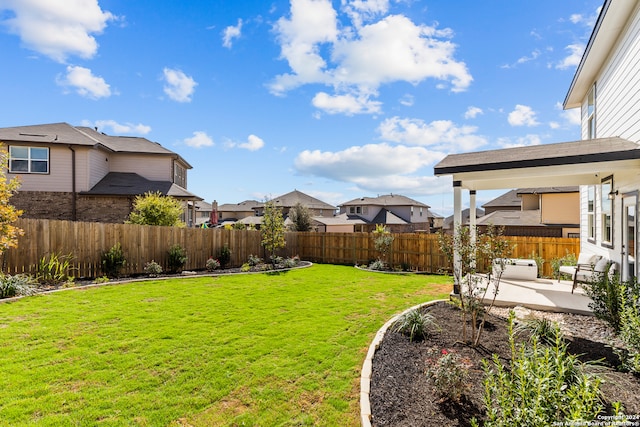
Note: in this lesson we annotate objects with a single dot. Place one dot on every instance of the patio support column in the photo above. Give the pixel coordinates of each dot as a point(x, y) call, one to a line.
point(472, 215)
point(457, 221)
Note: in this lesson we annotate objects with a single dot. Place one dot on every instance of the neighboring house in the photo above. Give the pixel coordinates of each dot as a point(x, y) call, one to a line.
point(399, 213)
point(203, 212)
point(605, 162)
point(232, 212)
point(541, 212)
point(342, 223)
point(447, 226)
point(79, 174)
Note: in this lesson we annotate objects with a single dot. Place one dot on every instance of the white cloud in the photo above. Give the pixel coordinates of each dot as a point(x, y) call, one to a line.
point(355, 61)
point(407, 100)
point(253, 143)
point(398, 184)
point(84, 83)
point(120, 129)
point(444, 135)
point(473, 112)
point(523, 115)
point(230, 33)
point(57, 28)
point(178, 86)
point(574, 57)
point(374, 161)
point(199, 139)
point(345, 104)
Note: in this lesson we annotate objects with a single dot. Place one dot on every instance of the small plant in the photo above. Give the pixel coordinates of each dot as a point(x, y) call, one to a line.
point(177, 258)
point(544, 330)
point(102, 279)
point(542, 386)
point(212, 264)
point(630, 326)
point(382, 241)
point(449, 373)
point(113, 261)
point(290, 262)
point(152, 268)
point(16, 285)
point(607, 295)
point(54, 269)
point(539, 263)
point(246, 267)
point(556, 263)
point(378, 265)
point(254, 260)
point(415, 324)
point(276, 261)
point(225, 256)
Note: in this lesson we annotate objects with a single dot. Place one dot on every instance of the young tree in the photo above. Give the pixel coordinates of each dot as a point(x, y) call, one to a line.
point(272, 229)
point(156, 209)
point(9, 233)
point(382, 241)
point(301, 218)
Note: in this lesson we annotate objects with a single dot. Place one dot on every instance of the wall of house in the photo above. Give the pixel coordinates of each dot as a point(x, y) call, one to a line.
point(98, 161)
point(560, 208)
point(618, 88)
point(104, 209)
point(530, 202)
point(58, 178)
point(154, 168)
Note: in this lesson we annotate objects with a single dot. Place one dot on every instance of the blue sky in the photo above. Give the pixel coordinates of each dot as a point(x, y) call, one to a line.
point(338, 99)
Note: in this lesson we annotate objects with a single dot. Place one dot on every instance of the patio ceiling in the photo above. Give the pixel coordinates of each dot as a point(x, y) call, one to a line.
point(562, 164)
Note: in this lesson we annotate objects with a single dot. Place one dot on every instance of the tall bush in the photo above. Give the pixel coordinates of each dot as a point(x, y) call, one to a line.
point(9, 233)
point(272, 229)
point(382, 242)
point(153, 208)
point(177, 258)
point(113, 261)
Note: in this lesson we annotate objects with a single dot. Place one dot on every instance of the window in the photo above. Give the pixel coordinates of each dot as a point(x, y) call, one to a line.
point(591, 212)
point(352, 209)
point(420, 211)
point(591, 113)
point(179, 175)
point(28, 159)
point(607, 211)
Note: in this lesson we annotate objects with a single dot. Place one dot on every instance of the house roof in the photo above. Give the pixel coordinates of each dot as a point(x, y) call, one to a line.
point(342, 219)
point(508, 199)
point(388, 218)
point(566, 163)
point(549, 190)
point(65, 134)
point(385, 200)
point(448, 221)
point(527, 218)
point(294, 197)
point(132, 184)
point(246, 206)
point(610, 23)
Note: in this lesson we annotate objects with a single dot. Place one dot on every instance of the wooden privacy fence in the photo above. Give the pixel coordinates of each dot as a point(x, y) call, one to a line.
point(85, 242)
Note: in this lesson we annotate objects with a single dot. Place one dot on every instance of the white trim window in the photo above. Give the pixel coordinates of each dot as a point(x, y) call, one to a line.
point(591, 113)
point(606, 207)
point(28, 159)
point(591, 212)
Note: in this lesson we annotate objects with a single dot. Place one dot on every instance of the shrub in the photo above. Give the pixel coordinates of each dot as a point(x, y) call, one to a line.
point(630, 326)
point(415, 324)
point(152, 268)
point(290, 262)
point(225, 256)
point(254, 260)
point(542, 386)
point(113, 261)
point(382, 241)
point(607, 295)
point(103, 279)
point(177, 258)
point(54, 268)
point(378, 265)
point(543, 329)
point(245, 267)
point(449, 373)
point(212, 264)
point(568, 259)
point(17, 285)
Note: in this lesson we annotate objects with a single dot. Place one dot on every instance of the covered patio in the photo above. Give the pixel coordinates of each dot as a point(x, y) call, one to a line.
point(585, 162)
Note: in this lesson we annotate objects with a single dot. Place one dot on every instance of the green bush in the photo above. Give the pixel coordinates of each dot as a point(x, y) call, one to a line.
point(290, 262)
point(449, 373)
point(212, 264)
point(177, 258)
point(415, 324)
point(225, 256)
point(568, 259)
point(54, 269)
point(607, 294)
point(542, 386)
point(152, 268)
point(378, 265)
point(630, 326)
point(113, 261)
point(17, 285)
point(246, 267)
point(254, 260)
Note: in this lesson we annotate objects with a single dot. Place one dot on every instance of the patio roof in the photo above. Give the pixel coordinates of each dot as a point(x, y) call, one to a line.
point(566, 163)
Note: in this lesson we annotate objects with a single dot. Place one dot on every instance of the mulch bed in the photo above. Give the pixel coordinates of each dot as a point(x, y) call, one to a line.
point(402, 395)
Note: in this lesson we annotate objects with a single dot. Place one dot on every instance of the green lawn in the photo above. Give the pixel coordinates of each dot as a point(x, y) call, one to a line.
point(266, 349)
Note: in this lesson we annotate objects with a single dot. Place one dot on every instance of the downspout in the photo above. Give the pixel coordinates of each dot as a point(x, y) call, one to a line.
point(74, 216)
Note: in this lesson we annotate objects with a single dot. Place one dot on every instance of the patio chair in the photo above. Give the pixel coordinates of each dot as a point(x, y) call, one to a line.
point(588, 269)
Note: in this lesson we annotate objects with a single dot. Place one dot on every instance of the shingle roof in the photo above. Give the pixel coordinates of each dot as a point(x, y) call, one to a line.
point(387, 217)
point(342, 219)
point(132, 184)
point(529, 218)
point(294, 197)
point(510, 199)
point(65, 134)
point(385, 200)
point(548, 190)
point(576, 152)
point(246, 206)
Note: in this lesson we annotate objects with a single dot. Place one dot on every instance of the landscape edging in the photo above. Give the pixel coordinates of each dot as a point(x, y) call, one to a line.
point(367, 366)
